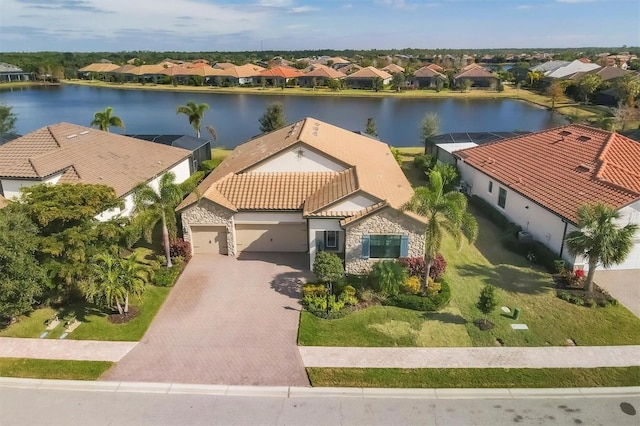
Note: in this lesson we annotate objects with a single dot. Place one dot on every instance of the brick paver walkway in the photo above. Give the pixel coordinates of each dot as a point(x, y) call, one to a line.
point(227, 321)
point(78, 350)
point(508, 357)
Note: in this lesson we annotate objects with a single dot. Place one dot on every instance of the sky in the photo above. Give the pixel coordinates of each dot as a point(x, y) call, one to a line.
point(225, 25)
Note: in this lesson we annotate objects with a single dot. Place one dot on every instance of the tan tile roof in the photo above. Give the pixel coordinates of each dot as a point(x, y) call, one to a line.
point(86, 155)
point(393, 68)
point(376, 174)
point(242, 71)
point(99, 67)
point(435, 67)
point(364, 213)
point(340, 185)
point(427, 72)
point(270, 191)
point(370, 72)
point(563, 168)
point(324, 72)
point(224, 65)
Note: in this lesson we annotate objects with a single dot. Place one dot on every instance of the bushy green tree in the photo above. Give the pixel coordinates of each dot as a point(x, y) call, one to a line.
point(22, 278)
point(429, 129)
point(371, 127)
point(488, 301)
point(555, 91)
point(7, 119)
point(588, 85)
point(328, 267)
point(629, 87)
point(398, 82)
point(273, 118)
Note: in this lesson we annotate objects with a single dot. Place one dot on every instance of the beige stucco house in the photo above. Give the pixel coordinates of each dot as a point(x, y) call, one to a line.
point(307, 187)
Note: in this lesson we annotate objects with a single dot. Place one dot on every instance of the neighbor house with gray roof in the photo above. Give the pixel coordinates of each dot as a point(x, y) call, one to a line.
point(306, 188)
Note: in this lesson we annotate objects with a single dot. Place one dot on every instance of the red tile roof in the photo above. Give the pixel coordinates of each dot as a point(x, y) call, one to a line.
point(281, 72)
point(563, 168)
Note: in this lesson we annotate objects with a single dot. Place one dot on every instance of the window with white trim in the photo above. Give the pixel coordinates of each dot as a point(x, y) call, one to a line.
point(385, 246)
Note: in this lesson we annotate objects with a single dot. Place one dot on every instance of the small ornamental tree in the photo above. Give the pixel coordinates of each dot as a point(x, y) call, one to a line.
point(328, 267)
point(371, 127)
point(488, 301)
point(389, 276)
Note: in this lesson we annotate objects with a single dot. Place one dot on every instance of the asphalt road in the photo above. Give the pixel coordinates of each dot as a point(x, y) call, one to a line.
point(67, 404)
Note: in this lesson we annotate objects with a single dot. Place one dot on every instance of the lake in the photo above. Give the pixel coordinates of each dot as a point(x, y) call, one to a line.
point(235, 116)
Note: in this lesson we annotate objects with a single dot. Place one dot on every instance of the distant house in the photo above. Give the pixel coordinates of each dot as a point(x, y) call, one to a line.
point(239, 74)
point(435, 67)
point(68, 153)
point(321, 73)
point(540, 180)
point(426, 77)
point(479, 77)
point(365, 78)
point(277, 76)
point(305, 188)
point(393, 68)
point(101, 69)
point(10, 73)
point(200, 147)
point(559, 69)
point(349, 68)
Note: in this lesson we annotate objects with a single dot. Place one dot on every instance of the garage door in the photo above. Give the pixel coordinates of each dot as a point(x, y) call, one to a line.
point(209, 239)
point(281, 237)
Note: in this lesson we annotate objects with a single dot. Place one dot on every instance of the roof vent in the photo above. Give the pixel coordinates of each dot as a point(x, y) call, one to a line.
point(84, 132)
point(582, 168)
point(72, 136)
point(583, 138)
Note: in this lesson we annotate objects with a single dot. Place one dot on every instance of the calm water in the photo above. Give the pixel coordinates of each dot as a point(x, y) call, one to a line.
point(235, 116)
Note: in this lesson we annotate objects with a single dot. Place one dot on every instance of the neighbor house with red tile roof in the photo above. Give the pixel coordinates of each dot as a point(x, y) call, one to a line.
point(68, 153)
point(539, 181)
point(279, 75)
point(306, 188)
point(365, 78)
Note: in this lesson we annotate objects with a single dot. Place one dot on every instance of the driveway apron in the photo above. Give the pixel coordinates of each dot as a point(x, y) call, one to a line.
point(227, 321)
point(624, 285)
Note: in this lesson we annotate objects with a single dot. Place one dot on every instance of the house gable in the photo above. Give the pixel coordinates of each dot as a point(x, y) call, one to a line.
point(297, 158)
point(354, 203)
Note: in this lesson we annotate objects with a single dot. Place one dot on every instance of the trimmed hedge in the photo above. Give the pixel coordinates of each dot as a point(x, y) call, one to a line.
point(422, 303)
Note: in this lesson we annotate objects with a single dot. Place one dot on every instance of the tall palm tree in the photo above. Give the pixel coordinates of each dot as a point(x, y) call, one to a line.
point(599, 239)
point(133, 276)
point(195, 113)
point(446, 212)
point(151, 207)
point(103, 120)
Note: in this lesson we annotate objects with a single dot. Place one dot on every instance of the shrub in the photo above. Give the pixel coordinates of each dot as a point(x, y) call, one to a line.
point(328, 267)
point(314, 290)
point(348, 299)
point(577, 300)
point(565, 296)
point(559, 265)
point(433, 287)
point(166, 277)
point(411, 285)
point(368, 295)
point(180, 248)
point(438, 267)
point(415, 266)
point(421, 303)
point(207, 166)
point(424, 162)
point(490, 212)
point(349, 291)
point(388, 276)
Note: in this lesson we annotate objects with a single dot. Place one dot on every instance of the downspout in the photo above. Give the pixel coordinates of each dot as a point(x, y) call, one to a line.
point(564, 234)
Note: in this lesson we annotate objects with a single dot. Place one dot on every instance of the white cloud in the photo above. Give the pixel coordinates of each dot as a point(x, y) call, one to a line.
point(303, 9)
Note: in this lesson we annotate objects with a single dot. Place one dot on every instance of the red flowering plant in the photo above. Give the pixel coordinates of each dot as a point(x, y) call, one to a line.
point(577, 278)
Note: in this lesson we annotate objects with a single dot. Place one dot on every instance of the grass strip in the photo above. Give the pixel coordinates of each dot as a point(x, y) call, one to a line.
point(474, 377)
point(52, 369)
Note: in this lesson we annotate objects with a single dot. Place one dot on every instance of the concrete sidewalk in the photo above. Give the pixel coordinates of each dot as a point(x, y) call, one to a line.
point(489, 357)
point(76, 350)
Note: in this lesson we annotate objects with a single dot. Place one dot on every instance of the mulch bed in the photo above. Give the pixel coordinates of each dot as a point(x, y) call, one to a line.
point(482, 325)
point(116, 318)
point(597, 297)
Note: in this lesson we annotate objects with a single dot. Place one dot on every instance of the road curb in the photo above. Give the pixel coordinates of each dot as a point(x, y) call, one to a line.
point(309, 392)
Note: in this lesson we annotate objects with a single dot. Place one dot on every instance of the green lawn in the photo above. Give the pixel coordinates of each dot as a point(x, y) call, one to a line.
point(95, 324)
point(551, 321)
point(52, 369)
point(474, 378)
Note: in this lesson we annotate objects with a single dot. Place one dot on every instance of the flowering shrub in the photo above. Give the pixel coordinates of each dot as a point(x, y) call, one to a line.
point(180, 248)
point(577, 278)
point(411, 285)
point(416, 266)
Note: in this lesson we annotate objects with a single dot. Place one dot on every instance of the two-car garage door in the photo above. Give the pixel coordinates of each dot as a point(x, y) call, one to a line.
point(279, 237)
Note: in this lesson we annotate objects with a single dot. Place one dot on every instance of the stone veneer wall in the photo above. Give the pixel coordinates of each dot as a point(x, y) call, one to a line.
point(207, 213)
point(388, 221)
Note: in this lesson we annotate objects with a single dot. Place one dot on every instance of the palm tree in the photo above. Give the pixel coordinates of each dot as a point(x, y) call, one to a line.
point(195, 113)
point(151, 207)
point(446, 212)
point(599, 239)
point(103, 120)
point(105, 287)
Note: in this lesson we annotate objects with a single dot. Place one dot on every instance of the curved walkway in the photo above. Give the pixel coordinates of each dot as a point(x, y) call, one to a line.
point(490, 357)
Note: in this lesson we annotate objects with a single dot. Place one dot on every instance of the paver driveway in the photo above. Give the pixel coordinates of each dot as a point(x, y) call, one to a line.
point(624, 285)
point(227, 321)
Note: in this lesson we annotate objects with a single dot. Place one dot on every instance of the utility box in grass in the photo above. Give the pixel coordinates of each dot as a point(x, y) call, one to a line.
point(516, 313)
